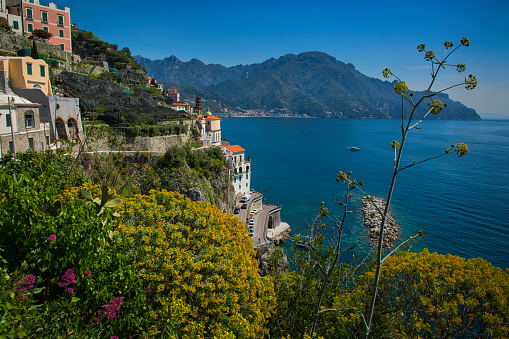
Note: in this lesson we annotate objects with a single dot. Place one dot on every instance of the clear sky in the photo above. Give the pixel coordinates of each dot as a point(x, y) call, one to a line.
point(371, 35)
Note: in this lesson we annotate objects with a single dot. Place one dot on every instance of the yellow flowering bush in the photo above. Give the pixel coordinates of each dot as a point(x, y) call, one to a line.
point(198, 266)
point(430, 295)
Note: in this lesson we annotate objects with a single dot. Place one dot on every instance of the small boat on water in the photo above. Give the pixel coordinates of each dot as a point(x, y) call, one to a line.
point(354, 148)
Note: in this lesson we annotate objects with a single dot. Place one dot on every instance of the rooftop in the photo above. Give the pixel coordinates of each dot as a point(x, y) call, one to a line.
point(235, 148)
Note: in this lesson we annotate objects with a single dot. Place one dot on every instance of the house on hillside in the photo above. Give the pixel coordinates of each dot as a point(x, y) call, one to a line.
point(212, 135)
point(173, 94)
point(21, 127)
point(29, 79)
point(25, 16)
point(180, 106)
point(240, 168)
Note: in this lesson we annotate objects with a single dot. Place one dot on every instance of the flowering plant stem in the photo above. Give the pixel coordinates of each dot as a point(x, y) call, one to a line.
point(435, 108)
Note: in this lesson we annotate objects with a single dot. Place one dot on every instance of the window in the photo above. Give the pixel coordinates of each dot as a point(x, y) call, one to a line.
point(30, 27)
point(45, 28)
point(61, 33)
point(15, 25)
point(60, 20)
point(62, 47)
point(44, 16)
point(47, 140)
point(31, 143)
point(43, 70)
point(11, 146)
point(8, 120)
point(30, 14)
point(247, 176)
point(29, 120)
point(29, 68)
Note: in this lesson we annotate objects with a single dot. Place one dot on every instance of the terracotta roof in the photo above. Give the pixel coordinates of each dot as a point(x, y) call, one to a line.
point(235, 148)
point(179, 104)
point(212, 117)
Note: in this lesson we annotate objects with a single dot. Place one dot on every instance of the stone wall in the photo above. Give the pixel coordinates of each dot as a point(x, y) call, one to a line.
point(157, 144)
point(11, 42)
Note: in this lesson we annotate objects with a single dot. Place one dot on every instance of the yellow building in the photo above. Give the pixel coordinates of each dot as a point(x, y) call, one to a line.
point(26, 73)
point(213, 130)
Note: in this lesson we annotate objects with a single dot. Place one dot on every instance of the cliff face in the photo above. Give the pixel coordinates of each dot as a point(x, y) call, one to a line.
point(217, 191)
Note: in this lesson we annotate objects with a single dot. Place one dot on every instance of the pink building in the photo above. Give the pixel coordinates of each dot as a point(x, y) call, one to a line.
point(25, 16)
point(173, 94)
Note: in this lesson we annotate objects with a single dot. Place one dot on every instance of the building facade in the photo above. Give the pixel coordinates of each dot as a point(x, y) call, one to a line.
point(173, 94)
point(29, 80)
point(25, 16)
point(212, 135)
point(25, 72)
point(180, 106)
point(21, 128)
point(240, 168)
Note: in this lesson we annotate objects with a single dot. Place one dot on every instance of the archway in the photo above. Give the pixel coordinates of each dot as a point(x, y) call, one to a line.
point(60, 126)
point(72, 127)
point(271, 221)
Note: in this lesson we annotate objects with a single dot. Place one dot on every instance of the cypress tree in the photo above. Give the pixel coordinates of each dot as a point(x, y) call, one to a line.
point(35, 54)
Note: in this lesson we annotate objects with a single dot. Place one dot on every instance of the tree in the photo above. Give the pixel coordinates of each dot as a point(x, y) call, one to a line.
point(34, 53)
point(42, 34)
point(127, 51)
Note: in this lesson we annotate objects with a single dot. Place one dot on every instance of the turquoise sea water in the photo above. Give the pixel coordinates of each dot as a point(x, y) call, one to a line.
point(462, 203)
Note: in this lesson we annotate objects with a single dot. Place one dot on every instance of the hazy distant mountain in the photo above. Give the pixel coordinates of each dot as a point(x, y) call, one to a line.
point(312, 82)
point(494, 116)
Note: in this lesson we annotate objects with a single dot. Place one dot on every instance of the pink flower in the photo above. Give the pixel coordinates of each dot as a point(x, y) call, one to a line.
point(111, 308)
point(52, 239)
point(114, 337)
point(96, 320)
point(67, 279)
point(25, 297)
point(69, 290)
point(87, 273)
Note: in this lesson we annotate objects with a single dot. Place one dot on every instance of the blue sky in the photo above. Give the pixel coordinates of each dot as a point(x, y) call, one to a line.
point(370, 35)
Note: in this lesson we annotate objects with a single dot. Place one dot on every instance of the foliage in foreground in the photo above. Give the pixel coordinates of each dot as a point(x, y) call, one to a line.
point(421, 295)
point(166, 267)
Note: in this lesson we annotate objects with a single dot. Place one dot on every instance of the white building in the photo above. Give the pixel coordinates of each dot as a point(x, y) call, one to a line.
point(240, 168)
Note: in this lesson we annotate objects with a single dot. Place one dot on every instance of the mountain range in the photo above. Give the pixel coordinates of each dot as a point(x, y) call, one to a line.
point(312, 83)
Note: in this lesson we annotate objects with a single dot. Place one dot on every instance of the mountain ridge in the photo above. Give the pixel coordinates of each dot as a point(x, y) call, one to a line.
point(312, 83)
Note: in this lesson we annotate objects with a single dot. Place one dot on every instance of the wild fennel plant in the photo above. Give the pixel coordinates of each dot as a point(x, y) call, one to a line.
point(435, 106)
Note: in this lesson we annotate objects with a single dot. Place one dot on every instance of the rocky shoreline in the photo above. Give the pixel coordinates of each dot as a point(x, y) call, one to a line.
point(373, 221)
point(279, 234)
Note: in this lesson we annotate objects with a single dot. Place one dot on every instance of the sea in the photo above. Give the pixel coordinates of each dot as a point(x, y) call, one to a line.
point(462, 204)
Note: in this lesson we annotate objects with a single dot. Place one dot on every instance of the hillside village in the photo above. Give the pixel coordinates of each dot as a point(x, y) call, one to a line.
point(39, 112)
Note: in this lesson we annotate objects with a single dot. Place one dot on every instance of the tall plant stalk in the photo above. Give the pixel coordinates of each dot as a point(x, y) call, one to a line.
point(435, 106)
point(461, 149)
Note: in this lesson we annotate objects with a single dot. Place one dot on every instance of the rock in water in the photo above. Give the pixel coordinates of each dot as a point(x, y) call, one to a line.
point(373, 221)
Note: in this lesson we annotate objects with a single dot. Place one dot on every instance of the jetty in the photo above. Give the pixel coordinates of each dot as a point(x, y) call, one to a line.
point(373, 221)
